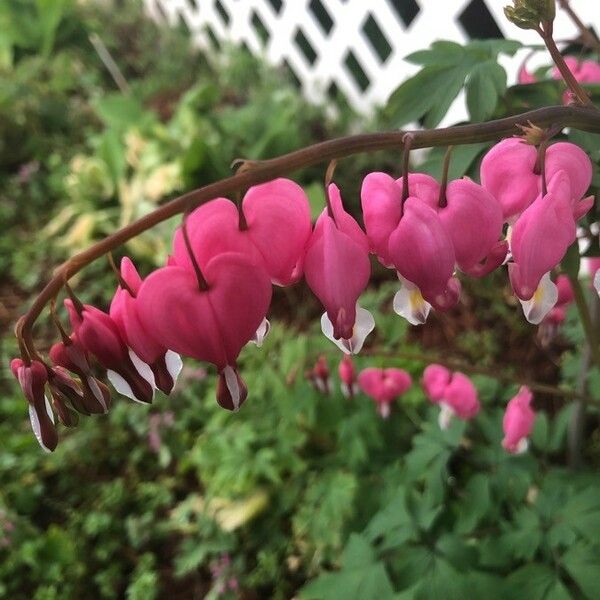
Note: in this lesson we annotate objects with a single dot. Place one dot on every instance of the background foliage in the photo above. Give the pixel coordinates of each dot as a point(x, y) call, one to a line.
point(301, 493)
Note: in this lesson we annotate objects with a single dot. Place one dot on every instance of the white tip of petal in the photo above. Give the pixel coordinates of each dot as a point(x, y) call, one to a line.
point(346, 392)
point(174, 364)
point(409, 303)
point(445, 416)
point(364, 324)
point(522, 446)
point(383, 408)
point(233, 386)
point(542, 301)
point(121, 386)
point(142, 368)
point(35, 423)
point(97, 392)
point(597, 281)
point(261, 333)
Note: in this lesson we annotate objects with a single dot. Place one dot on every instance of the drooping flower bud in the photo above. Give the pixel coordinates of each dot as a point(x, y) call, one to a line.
point(384, 386)
point(165, 364)
point(348, 382)
point(99, 335)
point(33, 378)
point(319, 375)
point(95, 396)
point(518, 422)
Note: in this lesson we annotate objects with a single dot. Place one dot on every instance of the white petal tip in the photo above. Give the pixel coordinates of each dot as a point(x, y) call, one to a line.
point(542, 301)
point(410, 304)
point(364, 324)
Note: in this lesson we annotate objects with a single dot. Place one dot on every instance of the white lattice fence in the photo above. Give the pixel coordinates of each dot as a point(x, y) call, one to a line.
point(353, 46)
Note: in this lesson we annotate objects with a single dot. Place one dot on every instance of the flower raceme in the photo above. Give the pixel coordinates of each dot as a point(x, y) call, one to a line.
point(454, 392)
point(213, 295)
point(518, 422)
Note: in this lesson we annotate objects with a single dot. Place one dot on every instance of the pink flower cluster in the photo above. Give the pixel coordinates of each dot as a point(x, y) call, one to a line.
point(213, 295)
point(454, 392)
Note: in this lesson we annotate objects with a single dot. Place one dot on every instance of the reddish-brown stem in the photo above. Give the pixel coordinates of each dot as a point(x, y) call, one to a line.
point(587, 37)
point(407, 141)
point(584, 118)
point(202, 284)
point(442, 201)
point(546, 34)
point(117, 272)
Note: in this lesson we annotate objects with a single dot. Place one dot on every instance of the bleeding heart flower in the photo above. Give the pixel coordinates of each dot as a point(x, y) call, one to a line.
point(539, 241)
point(508, 173)
point(348, 383)
point(518, 422)
point(33, 378)
point(435, 381)
point(273, 231)
point(337, 270)
point(423, 254)
point(473, 219)
point(212, 324)
point(99, 335)
point(454, 392)
point(165, 364)
point(384, 386)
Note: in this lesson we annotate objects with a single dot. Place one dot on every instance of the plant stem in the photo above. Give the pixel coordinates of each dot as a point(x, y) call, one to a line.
point(586, 319)
point(587, 37)
point(584, 118)
point(581, 95)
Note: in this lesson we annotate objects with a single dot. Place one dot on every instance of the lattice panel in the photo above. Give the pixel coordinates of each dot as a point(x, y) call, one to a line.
point(351, 46)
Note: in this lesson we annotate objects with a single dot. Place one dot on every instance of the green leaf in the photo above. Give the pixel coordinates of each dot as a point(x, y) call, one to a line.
point(121, 112)
point(536, 582)
point(361, 576)
point(582, 562)
point(441, 53)
point(570, 263)
point(486, 83)
point(539, 435)
point(428, 94)
point(475, 503)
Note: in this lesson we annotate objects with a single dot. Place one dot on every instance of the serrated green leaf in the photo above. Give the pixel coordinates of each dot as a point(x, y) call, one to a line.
point(582, 562)
point(485, 84)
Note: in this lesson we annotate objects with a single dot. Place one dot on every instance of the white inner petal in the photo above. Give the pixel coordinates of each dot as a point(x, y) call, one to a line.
point(233, 386)
point(121, 385)
point(384, 409)
point(261, 332)
point(445, 416)
point(97, 392)
point(409, 303)
point(143, 369)
point(364, 324)
point(542, 301)
point(174, 364)
point(35, 426)
point(345, 390)
point(597, 281)
point(522, 446)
